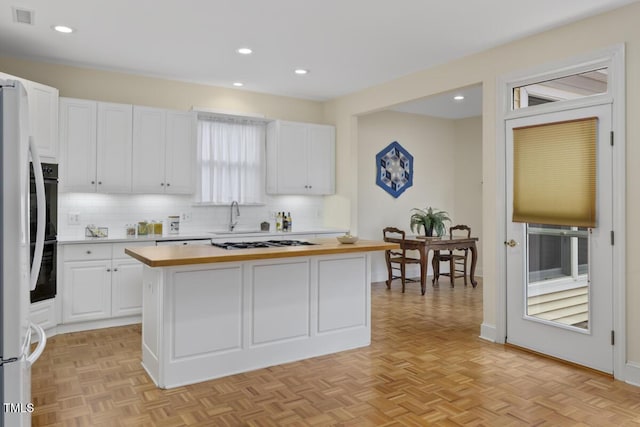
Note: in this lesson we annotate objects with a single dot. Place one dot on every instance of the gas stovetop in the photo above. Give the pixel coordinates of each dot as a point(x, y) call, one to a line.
point(265, 244)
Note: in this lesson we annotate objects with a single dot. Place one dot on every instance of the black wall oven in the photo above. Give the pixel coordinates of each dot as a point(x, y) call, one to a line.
point(46, 284)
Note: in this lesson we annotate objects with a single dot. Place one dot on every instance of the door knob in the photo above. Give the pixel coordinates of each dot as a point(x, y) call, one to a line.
point(511, 243)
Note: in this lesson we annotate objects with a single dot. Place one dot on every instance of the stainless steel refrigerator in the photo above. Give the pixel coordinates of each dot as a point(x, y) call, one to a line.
point(18, 278)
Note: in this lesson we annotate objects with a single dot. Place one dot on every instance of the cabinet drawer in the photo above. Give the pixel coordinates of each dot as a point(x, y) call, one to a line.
point(118, 248)
point(87, 252)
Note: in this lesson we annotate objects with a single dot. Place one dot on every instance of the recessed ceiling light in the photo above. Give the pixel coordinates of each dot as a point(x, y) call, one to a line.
point(63, 29)
point(458, 97)
point(238, 84)
point(301, 71)
point(244, 51)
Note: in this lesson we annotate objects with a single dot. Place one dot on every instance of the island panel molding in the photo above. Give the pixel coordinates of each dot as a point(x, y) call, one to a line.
point(340, 305)
point(280, 307)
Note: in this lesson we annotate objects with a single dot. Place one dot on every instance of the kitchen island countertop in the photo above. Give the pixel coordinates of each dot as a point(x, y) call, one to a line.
point(168, 256)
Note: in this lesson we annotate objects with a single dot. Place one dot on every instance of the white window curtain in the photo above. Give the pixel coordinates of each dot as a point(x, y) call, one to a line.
point(231, 159)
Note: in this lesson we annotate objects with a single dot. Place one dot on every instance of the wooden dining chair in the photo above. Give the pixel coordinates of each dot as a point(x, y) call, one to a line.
point(456, 258)
point(397, 259)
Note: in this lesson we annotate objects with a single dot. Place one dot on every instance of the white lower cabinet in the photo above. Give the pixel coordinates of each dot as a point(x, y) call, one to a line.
point(87, 290)
point(100, 282)
point(126, 288)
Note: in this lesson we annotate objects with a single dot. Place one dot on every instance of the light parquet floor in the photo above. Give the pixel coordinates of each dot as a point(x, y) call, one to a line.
point(425, 366)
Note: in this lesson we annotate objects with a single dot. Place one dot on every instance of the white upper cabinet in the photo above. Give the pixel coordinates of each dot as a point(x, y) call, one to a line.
point(300, 158)
point(322, 159)
point(95, 140)
point(163, 151)
point(43, 116)
point(180, 152)
point(115, 122)
point(43, 119)
point(78, 145)
point(148, 150)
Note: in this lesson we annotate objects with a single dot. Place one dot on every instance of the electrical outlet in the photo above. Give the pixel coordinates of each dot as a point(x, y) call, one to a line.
point(185, 217)
point(73, 218)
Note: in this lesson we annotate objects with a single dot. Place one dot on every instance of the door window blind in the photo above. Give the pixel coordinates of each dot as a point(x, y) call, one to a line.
point(554, 173)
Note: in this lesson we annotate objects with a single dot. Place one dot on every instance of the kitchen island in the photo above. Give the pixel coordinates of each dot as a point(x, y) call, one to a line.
point(210, 312)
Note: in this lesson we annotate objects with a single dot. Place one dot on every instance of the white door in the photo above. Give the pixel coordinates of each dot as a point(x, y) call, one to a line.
point(126, 288)
point(86, 291)
point(180, 152)
point(148, 150)
point(78, 145)
point(292, 158)
point(321, 160)
point(560, 279)
point(43, 114)
point(115, 136)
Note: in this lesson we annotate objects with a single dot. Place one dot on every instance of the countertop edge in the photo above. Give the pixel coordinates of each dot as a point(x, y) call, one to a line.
point(174, 256)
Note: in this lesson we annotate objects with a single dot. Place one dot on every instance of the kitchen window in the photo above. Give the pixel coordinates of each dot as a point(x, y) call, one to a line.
point(231, 159)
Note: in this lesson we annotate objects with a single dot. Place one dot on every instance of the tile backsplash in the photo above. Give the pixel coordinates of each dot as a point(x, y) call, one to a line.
point(116, 210)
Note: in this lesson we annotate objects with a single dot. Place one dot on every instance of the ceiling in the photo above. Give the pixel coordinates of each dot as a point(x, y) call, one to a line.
point(445, 106)
point(346, 45)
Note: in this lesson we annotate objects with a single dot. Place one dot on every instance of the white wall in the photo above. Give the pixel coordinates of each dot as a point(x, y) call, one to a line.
point(108, 86)
point(446, 158)
point(467, 177)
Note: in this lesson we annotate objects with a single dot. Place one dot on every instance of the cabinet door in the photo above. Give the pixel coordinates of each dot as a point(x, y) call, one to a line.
point(126, 282)
point(180, 152)
point(77, 145)
point(292, 159)
point(148, 172)
point(114, 147)
point(43, 119)
point(86, 293)
point(321, 172)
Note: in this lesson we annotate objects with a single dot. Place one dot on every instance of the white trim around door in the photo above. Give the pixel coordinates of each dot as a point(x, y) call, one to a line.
point(614, 59)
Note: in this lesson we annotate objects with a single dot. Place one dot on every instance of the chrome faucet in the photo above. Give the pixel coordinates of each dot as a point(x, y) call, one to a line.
point(232, 224)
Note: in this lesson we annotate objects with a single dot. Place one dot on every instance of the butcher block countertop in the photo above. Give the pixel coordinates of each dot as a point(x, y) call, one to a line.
point(170, 256)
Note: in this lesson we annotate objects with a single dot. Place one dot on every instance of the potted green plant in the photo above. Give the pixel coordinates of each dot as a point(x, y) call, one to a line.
point(430, 219)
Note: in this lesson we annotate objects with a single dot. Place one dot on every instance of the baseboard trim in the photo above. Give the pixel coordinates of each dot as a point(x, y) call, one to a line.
point(67, 328)
point(632, 374)
point(488, 332)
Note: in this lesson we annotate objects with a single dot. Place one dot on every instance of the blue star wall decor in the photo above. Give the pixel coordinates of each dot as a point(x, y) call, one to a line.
point(394, 168)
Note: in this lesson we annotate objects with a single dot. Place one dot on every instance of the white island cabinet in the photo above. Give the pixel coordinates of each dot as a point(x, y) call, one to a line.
point(209, 313)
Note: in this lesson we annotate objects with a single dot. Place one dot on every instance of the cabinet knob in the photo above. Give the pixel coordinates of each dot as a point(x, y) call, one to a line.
point(88, 252)
point(93, 182)
point(99, 182)
point(115, 269)
point(168, 184)
point(108, 269)
point(162, 184)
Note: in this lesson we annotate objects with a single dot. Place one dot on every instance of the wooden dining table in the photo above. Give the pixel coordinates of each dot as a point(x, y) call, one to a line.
point(424, 244)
